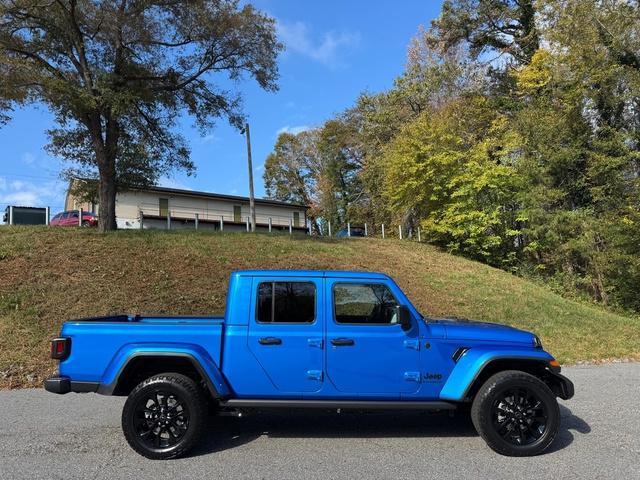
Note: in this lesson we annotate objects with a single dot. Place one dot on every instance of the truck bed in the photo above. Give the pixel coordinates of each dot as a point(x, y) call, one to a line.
point(101, 344)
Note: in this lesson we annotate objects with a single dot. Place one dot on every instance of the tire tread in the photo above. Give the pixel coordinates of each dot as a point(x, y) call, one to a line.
point(199, 402)
point(481, 412)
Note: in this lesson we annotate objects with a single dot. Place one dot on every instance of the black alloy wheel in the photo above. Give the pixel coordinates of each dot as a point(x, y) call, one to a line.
point(519, 416)
point(161, 419)
point(164, 416)
point(516, 414)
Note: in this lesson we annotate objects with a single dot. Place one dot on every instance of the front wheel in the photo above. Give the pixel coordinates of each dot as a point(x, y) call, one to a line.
point(164, 416)
point(516, 414)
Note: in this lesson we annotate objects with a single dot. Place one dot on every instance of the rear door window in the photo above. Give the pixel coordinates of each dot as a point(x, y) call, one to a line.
point(286, 302)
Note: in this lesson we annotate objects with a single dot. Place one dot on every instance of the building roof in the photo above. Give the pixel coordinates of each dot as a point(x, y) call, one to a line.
point(216, 196)
point(220, 196)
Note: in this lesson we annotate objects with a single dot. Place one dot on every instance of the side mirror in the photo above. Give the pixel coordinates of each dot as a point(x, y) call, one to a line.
point(404, 317)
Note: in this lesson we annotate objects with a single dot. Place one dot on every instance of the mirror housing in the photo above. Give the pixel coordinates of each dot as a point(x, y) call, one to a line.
point(404, 317)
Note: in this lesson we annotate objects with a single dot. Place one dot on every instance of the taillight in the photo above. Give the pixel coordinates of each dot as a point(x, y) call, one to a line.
point(60, 348)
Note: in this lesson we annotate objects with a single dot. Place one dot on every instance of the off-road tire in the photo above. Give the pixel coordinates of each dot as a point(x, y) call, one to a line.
point(483, 413)
point(176, 386)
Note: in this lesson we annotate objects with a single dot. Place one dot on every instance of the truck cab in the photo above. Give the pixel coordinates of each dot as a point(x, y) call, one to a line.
point(312, 339)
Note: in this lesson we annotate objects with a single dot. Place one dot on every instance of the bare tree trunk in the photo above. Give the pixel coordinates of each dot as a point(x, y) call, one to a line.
point(105, 148)
point(107, 197)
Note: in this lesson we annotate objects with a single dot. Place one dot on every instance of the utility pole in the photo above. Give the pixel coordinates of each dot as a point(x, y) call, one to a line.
point(252, 205)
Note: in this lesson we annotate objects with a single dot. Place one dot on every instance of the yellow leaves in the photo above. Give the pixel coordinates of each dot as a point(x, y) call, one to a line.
point(537, 74)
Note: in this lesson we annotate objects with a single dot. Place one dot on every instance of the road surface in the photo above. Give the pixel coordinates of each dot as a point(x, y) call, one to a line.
point(78, 436)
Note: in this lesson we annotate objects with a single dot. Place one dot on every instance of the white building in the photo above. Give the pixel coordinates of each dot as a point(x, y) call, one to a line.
point(153, 205)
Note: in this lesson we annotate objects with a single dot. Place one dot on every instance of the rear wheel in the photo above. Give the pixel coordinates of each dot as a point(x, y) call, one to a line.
point(516, 414)
point(164, 416)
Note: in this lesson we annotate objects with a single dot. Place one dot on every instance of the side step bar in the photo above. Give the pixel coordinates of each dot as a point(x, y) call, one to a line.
point(331, 404)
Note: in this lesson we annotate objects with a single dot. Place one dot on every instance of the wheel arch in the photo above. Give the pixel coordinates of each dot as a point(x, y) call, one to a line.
point(476, 365)
point(535, 367)
point(144, 364)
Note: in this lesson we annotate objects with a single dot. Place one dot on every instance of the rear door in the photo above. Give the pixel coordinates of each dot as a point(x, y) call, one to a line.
point(71, 219)
point(286, 332)
point(368, 351)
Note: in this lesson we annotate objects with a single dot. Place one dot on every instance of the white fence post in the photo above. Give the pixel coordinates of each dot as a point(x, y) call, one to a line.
point(168, 219)
point(197, 220)
point(247, 224)
point(383, 230)
point(419, 239)
point(366, 232)
point(222, 223)
point(309, 225)
point(348, 229)
point(270, 223)
point(10, 214)
point(47, 215)
point(329, 225)
point(141, 220)
point(400, 231)
point(80, 217)
point(290, 226)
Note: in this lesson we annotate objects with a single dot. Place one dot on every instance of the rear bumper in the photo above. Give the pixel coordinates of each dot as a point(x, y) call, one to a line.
point(61, 385)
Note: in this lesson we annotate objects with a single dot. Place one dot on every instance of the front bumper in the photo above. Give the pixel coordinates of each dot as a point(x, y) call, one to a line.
point(561, 386)
point(62, 385)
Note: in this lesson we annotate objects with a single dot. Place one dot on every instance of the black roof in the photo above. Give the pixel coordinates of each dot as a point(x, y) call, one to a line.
point(219, 196)
point(196, 193)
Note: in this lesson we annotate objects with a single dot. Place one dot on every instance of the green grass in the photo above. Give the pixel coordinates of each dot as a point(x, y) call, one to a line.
point(49, 275)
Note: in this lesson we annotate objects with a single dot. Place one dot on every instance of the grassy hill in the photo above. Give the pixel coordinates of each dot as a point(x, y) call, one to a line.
point(48, 275)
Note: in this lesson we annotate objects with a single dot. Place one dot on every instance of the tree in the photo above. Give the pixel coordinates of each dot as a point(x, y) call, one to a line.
point(292, 170)
point(453, 168)
point(489, 26)
point(117, 74)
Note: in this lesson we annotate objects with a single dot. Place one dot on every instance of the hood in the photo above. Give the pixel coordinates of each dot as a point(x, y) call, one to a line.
point(464, 329)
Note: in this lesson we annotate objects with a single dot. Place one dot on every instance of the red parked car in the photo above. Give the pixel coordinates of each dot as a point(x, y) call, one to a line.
point(70, 219)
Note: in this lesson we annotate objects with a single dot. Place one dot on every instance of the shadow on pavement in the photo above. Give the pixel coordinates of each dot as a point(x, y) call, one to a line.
point(568, 422)
point(229, 432)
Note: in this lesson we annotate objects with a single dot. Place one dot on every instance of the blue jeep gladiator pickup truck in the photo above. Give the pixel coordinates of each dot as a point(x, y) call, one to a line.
point(311, 339)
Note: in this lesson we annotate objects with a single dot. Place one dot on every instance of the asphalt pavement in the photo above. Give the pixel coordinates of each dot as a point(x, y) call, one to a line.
point(46, 436)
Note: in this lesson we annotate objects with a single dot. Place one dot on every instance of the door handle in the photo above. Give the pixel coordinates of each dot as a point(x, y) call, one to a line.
point(342, 342)
point(270, 341)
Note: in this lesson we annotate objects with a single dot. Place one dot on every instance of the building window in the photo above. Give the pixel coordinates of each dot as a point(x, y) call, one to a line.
point(164, 206)
point(286, 302)
point(237, 213)
point(296, 219)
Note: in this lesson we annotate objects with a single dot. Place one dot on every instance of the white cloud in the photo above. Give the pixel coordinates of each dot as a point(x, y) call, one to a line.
point(298, 38)
point(210, 138)
point(28, 158)
point(23, 199)
point(260, 167)
point(293, 130)
point(29, 194)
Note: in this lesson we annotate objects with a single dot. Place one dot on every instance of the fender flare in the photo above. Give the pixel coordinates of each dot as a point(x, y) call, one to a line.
point(197, 356)
point(471, 364)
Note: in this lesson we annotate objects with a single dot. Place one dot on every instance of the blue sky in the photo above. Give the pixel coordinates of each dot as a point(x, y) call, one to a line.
point(334, 51)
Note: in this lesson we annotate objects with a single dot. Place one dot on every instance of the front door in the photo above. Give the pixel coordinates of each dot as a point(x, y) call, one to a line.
point(368, 351)
point(286, 332)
